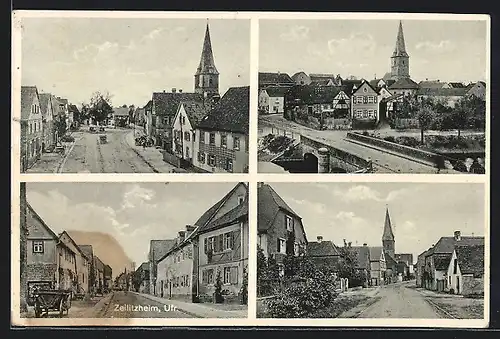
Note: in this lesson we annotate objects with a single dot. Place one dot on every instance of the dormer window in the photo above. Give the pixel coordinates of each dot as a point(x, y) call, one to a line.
point(241, 199)
point(289, 223)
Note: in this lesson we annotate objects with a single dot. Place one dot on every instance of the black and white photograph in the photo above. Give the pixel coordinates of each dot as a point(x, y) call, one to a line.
point(371, 250)
point(373, 95)
point(134, 95)
point(134, 250)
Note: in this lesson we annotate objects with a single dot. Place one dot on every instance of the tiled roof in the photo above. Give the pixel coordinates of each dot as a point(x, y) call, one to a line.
point(158, 248)
point(37, 216)
point(269, 203)
point(87, 249)
point(28, 94)
point(322, 249)
point(73, 108)
point(431, 84)
point(310, 94)
point(442, 262)
point(274, 78)
point(44, 102)
point(348, 86)
point(404, 83)
point(375, 253)
point(447, 244)
point(362, 254)
point(144, 266)
point(231, 113)
point(166, 103)
point(445, 92)
point(195, 110)
point(471, 259)
point(121, 111)
point(238, 213)
point(276, 91)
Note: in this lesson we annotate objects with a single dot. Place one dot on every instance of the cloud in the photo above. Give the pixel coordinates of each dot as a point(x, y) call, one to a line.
point(96, 52)
point(296, 33)
point(363, 193)
point(436, 47)
point(354, 44)
point(314, 207)
point(136, 196)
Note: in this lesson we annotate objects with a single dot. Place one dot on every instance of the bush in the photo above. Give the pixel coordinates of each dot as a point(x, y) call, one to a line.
point(407, 141)
point(390, 138)
point(365, 133)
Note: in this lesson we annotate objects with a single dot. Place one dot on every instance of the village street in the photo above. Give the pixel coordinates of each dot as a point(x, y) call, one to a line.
point(399, 301)
point(118, 155)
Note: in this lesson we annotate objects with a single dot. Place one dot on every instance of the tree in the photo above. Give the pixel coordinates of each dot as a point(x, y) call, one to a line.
point(60, 124)
point(460, 115)
point(100, 106)
point(219, 298)
point(425, 117)
point(348, 266)
point(244, 287)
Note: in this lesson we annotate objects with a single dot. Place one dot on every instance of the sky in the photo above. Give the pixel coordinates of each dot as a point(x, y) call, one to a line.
point(444, 50)
point(130, 58)
point(421, 213)
point(133, 213)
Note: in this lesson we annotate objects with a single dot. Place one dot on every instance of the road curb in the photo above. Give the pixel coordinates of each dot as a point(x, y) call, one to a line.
point(102, 305)
point(146, 161)
point(439, 308)
point(66, 156)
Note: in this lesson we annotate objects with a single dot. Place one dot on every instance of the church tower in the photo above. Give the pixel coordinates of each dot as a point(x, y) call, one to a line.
point(388, 241)
point(206, 78)
point(400, 60)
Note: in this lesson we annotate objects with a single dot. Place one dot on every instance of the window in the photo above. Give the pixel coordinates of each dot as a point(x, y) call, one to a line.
point(365, 114)
point(229, 165)
point(371, 99)
point(359, 113)
point(37, 246)
point(365, 99)
point(281, 246)
point(202, 137)
point(223, 141)
point(31, 128)
point(370, 113)
point(227, 275)
point(295, 248)
point(212, 138)
point(187, 136)
point(241, 199)
point(228, 241)
point(211, 160)
point(365, 90)
point(359, 99)
point(210, 276)
point(289, 223)
point(201, 157)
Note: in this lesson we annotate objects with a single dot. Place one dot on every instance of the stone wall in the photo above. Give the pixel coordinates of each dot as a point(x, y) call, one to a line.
point(471, 285)
point(338, 158)
point(424, 156)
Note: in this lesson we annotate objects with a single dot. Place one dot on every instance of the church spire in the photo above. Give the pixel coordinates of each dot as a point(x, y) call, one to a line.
point(387, 235)
point(207, 63)
point(400, 49)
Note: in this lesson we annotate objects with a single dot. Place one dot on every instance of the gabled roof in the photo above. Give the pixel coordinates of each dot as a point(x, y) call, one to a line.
point(143, 267)
point(166, 103)
point(231, 114)
point(149, 105)
point(239, 213)
point(447, 244)
point(269, 203)
point(73, 108)
point(207, 63)
point(431, 84)
point(299, 73)
point(442, 262)
point(158, 248)
point(471, 259)
point(266, 78)
point(195, 110)
point(310, 94)
point(348, 85)
point(445, 92)
point(274, 91)
point(121, 111)
point(44, 99)
point(368, 84)
point(324, 248)
point(404, 83)
point(37, 216)
point(74, 243)
point(87, 250)
point(28, 94)
point(362, 254)
point(375, 253)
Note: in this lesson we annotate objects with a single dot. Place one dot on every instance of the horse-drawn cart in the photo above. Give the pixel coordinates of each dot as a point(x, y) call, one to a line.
point(52, 301)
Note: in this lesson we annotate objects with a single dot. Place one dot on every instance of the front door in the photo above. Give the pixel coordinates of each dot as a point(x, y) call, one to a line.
point(458, 285)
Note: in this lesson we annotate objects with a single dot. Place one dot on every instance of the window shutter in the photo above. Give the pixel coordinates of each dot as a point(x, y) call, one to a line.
point(221, 242)
point(233, 275)
point(278, 249)
point(233, 239)
point(205, 245)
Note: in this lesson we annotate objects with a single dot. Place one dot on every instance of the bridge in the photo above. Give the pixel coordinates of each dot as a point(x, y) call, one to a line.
point(319, 152)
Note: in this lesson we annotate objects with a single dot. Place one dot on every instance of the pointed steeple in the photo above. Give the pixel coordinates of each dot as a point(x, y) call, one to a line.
point(400, 49)
point(207, 63)
point(387, 235)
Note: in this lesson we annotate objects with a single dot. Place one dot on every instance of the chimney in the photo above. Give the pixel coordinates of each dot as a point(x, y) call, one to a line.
point(320, 238)
point(365, 244)
point(457, 236)
point(180, 90)
point(163, 91)
point(349, 244)
point(174, 90)
point(189, 229)
point(182, 236)
point(260, 184)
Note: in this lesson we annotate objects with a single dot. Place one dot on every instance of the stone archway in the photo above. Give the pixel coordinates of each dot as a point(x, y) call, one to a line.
point(310, 163)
